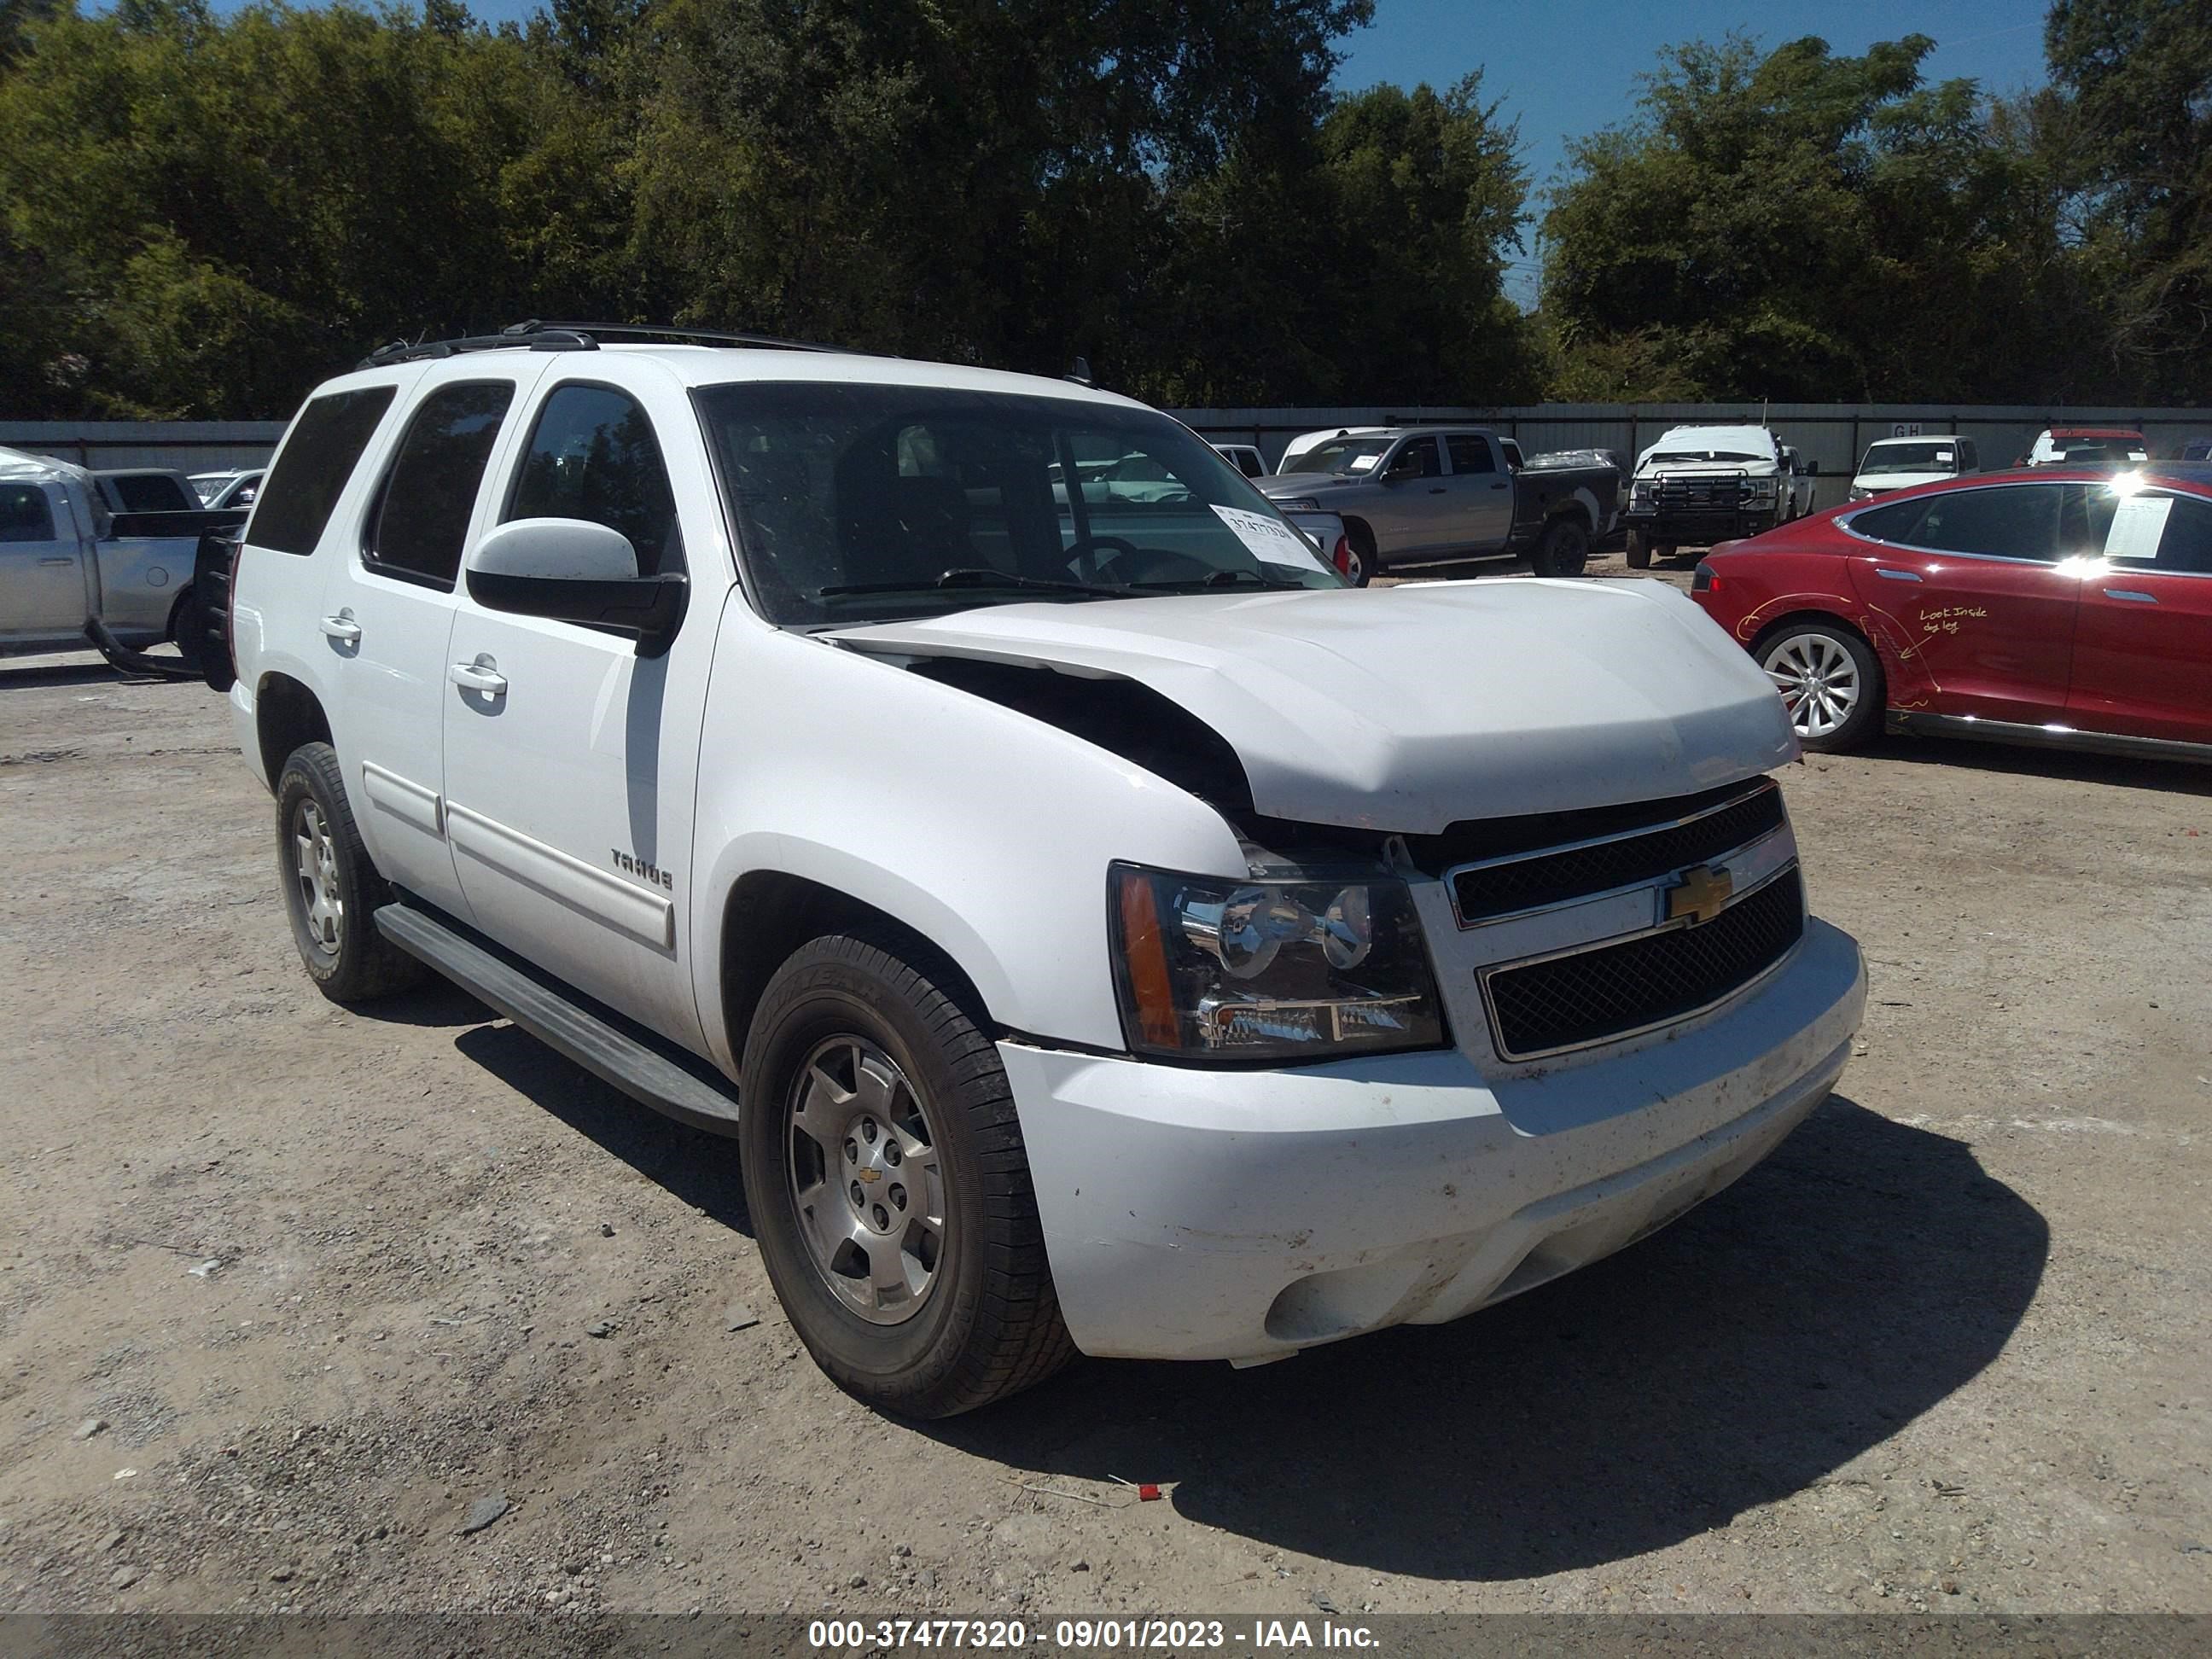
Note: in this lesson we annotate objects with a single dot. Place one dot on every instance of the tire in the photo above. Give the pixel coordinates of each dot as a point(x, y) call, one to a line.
point(1564, 549)
point(1830, 681)
point(187, 628)
point(1639, 550)
point(1361, 540)
point(331, 887)
point(863, 1038)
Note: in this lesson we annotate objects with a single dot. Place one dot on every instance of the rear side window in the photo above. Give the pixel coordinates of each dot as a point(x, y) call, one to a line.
point(593, 456)
point(24, 514)
point(326, 441)
point(1469, 454)
point(152, 492)
point(421, 513)
point(2019, 523)
point(1893, 523)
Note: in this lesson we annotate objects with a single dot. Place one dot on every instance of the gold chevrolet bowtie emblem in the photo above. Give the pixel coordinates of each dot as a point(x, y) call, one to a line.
point(1699, 894)
point(872, 1174)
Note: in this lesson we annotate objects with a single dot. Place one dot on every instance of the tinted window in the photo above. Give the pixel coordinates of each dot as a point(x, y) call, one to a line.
point(1893, 523)
point(1469, 454)
point(2019, 523)
point(422, 515)
point(326, 442)
point(593, 456)
point(24, 515)
point(153, 492)
point(2085, 520)
point(2187, 543)
point(1418, 460)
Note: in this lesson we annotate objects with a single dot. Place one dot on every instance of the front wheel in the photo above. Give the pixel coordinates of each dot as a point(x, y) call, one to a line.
point(1830, 680)
point(889, 1187)
point(1565, 549)
point(1639, 550)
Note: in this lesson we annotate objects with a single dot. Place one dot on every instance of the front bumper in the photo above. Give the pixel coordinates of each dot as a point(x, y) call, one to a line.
point(1195, 1214)
point(1700, 529)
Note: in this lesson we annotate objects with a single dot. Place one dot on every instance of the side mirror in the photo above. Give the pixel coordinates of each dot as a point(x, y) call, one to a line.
point(1812, 469)
point(574, 570)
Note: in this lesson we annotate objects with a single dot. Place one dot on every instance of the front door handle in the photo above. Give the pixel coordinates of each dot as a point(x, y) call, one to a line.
point(1500, 484)
point(64, 564)
point(1435, 489)
point(341, 628)
point(1896, 575)
point(2130, 593)
point(482, 675)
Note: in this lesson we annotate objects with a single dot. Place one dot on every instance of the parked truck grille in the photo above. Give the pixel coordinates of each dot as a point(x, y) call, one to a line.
point(1612, 991)
point(1699, 495)
point(1502, 886)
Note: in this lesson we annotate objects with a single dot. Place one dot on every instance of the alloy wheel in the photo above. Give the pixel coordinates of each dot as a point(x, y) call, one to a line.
point(1818, 680)
point(315, 867)
point(864, 1179)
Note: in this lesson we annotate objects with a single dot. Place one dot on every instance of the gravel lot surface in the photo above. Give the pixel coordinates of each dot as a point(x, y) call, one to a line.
point(291, 1298)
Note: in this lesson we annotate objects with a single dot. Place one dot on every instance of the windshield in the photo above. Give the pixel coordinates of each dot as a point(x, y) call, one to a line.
point(1698, 457)
point(859, 503)
point(1341, 455)
point(1909, 458)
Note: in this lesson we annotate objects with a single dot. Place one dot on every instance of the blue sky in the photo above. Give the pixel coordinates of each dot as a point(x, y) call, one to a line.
point(1569, 67)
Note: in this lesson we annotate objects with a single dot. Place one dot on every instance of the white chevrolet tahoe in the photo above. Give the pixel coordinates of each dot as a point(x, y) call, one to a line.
point(1101, 928)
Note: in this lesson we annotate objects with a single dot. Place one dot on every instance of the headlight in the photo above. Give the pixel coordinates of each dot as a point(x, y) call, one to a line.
point(1761, 489)
point(1859, 494)
point(1640, 490)
point(1210, 969)
point(1303, 504)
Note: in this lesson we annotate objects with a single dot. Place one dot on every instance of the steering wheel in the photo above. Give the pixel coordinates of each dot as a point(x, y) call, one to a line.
point(1085, 544)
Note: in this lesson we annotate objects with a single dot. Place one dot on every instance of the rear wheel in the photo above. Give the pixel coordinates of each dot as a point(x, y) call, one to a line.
point(888, 1185)
point(332, 889)
point(1830, 681)
point(1565, 549)
point(1639, 550)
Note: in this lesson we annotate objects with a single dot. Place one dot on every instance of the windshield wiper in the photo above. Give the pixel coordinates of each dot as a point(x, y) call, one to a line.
point(1218, 579)
point(976, 577)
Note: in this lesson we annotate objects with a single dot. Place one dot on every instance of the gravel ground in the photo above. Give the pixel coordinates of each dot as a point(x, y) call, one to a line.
point(290, 1296)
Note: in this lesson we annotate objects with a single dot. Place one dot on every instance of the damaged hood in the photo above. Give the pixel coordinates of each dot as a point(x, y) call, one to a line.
point(1409, 708)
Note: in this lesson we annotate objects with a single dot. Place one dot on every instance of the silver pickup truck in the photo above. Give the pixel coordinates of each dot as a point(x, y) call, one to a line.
point(74, 573)
point(1413, 495)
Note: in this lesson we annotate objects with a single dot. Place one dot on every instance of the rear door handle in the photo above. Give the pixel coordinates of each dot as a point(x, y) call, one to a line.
point(341, 628)
point(64, 563)
point(1500, 484)
point(1896, 575)
point(2130, 593)
point(1435, 489)
point(482, 675)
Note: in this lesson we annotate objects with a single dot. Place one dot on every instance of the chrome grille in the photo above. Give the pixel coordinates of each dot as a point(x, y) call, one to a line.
point(1516, 882)
point(1607, 992)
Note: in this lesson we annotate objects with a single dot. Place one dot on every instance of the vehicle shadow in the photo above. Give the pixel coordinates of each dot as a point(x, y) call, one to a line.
point(2068, 765)
point(45, 671)
point(436, 1002)
point(1859, 1277)
point(699, 1168)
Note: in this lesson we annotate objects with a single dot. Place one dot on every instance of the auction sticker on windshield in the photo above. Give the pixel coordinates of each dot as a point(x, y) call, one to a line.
point(1270, 540)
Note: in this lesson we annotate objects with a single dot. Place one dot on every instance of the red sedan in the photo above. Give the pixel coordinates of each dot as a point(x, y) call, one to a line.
point(2058, 606)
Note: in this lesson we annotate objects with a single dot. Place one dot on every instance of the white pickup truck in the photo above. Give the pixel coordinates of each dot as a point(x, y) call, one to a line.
point(75, 572)
point(1102, 927)
point(1703, 484)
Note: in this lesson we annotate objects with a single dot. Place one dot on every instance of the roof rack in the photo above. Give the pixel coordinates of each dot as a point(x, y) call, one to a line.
point(537, 335)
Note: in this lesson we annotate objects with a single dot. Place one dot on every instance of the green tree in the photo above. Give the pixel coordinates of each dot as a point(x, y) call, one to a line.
point(2129, 128)
point(1800, 225)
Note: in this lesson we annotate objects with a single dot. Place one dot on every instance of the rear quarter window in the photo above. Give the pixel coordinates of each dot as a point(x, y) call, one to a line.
point(303, 490)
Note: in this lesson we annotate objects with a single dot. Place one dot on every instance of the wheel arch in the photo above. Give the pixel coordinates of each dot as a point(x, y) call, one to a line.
point(770, 914)
point(286, 713)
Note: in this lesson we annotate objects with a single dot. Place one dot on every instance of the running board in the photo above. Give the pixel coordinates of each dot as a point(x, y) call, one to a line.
point(562, 1022)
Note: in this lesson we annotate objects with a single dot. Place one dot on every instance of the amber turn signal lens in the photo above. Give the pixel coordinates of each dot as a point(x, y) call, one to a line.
point(1147, 964)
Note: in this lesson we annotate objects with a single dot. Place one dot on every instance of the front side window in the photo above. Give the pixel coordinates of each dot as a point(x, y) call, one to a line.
point(593, 455)
point(1469, 454)
point(318, 456)
point(2167, 532)
point(422, 515)
point(1417, 458)
point(1341, 455)
point(857, 502)
point(24, 513)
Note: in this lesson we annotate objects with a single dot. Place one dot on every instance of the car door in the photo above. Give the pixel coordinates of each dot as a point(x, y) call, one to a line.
point(42, 591)
point(1971, 581)
point(387, 613)
point(570, 758)
point(2142, 648)
point(1480, 491)
point(1412, 501)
